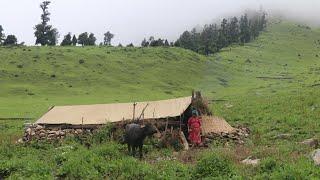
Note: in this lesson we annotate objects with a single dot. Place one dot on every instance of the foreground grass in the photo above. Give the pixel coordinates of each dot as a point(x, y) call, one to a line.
point(269, 106)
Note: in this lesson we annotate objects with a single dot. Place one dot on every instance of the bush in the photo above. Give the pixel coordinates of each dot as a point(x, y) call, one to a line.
point(268, 165)
point(103, 134)
point(81, 61)
point(214, 166)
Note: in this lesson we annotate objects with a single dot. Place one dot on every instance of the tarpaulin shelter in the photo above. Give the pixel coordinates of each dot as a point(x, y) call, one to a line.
point(98, 114)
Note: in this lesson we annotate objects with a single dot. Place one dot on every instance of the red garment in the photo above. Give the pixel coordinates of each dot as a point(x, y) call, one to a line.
point(194, 125)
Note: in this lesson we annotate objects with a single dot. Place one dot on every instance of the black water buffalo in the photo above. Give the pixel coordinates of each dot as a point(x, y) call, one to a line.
point(135, 135)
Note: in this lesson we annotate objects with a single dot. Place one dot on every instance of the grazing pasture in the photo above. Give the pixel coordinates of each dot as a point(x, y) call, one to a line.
point(270, 85)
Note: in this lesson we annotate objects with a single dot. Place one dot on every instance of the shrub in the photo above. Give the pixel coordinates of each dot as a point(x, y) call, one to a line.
point(268, 165)
point(81, 61)
point(213, 166)
point(103, 134)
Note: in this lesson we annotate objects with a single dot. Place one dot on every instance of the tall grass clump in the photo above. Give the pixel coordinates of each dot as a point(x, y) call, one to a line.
point(214, 166)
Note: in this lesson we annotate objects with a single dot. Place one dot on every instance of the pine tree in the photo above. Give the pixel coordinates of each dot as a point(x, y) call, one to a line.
point(74, 40)
point(66, 40)
point(244, 29)
point(166, 43)
point(234, 30)
point(2, 36)
point(45, 34)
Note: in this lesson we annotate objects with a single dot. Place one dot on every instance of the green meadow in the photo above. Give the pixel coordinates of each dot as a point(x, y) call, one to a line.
point(270, 85)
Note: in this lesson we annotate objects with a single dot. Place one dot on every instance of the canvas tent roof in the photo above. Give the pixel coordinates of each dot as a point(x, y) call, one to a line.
point(102, 113)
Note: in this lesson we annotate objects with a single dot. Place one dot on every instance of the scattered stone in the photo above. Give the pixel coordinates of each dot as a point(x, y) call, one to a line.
point(315, 155)
point(311, 142)
point(249, 161)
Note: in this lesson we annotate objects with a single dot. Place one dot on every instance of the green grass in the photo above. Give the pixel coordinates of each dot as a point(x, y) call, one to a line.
point(268, 106)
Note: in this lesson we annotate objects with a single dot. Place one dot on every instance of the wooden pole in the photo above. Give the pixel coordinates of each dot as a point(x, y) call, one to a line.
point(134, 110)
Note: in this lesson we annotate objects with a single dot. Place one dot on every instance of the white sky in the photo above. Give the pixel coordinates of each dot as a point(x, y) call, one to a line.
point(132, 20)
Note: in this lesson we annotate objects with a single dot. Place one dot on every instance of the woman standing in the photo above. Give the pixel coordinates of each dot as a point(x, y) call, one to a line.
point(194, 128)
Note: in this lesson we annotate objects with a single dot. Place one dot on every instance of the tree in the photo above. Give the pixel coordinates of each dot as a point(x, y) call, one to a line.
point(2, 36)
point(66, 40)
point(45, 34)
point(130, 45)
point(91, 40)
point(263, 21)
point(10, 40)
point(144, 43)
point(244, 29)
point(74, 40)
point(83, 39)
point(166, 43)
point(233, 33)
point(208, 39)
point(107, 38)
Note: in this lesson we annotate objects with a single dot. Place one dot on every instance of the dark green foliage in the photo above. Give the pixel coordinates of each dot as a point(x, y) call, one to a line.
point(213, 38)
point(81, 61)
point(130, 45)
point(83, 39)
point(10, 40)
point(244, 29)
point(1, 35)
point(213, 166)
point(154, 43)
point(107, 38)
point(74, 40)
point(144, 43)
point(45, 34)
point(103, 135)
point(67, 40)
point(87, 40)
point(91, 39)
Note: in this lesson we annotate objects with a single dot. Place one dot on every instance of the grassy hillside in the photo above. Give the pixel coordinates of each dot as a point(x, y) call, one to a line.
point(34, 78)
point(270, 85)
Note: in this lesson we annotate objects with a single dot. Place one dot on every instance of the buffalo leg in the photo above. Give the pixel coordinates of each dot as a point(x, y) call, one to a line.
point(140, 151)
point(133, 151)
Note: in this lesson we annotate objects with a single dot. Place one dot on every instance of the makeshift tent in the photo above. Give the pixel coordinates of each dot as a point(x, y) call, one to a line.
point(102, 113)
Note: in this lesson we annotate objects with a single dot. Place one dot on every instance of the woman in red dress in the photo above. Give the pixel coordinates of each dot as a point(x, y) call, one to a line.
point(194, 128)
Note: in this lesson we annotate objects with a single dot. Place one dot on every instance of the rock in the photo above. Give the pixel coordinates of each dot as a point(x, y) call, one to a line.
point(315, 155)
point(51, 136)
point(42, 131)
point(33, 133)
point(28, 131)
point(38, 128)
point(311, 142)
point(249, 161)
point(52, 132)
point(20, 141)
point(42, 134)
point(79, 131)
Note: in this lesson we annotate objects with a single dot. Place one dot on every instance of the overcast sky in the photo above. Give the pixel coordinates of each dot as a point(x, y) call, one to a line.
point(132, 20)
